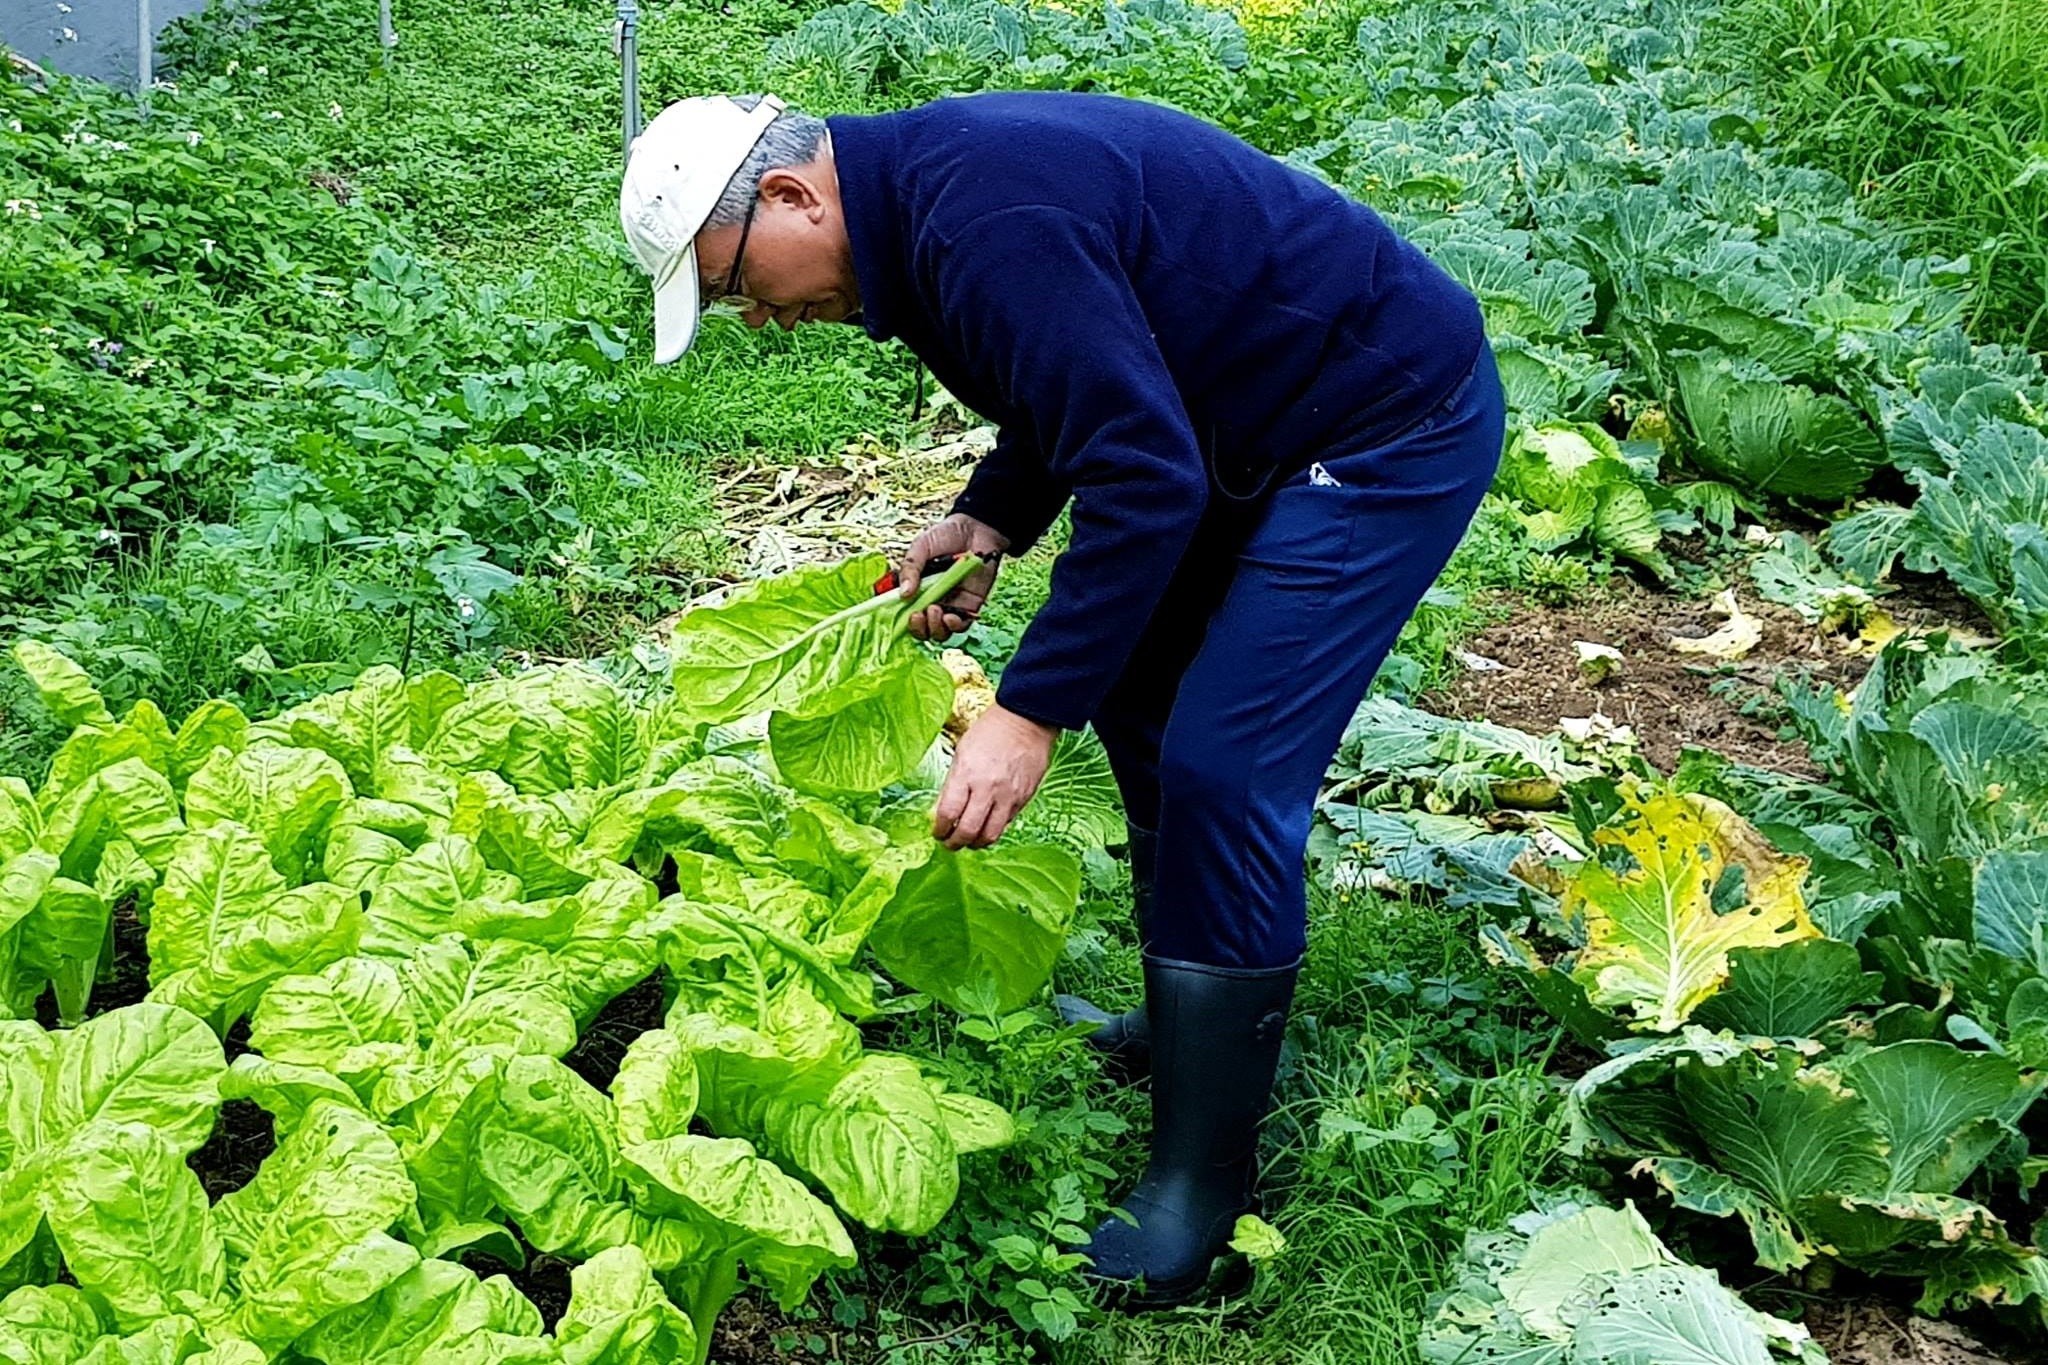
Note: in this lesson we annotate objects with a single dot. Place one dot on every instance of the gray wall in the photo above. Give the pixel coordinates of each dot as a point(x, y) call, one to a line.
point(104, 41)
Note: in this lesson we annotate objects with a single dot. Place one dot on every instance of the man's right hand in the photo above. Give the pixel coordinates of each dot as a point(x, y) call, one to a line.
point(957, 535)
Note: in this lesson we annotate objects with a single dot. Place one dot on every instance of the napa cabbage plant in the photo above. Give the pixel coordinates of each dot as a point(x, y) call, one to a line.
point(417, 892)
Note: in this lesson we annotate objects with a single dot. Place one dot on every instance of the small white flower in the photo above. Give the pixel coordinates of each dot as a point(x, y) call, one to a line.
point(106, 536)
point(234, 65)
point(272, 113)
point(206, 245)
point(465, 607)
point(334, 111)
point(21, 206)
point(35, 407)
point(192, 138)
point(171, 86)
point(117, 146)
point(263, 71)
point(14, 125)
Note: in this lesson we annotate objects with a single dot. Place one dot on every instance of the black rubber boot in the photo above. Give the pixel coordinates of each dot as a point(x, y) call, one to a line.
point(1216, 1034)
point(1125, 1039)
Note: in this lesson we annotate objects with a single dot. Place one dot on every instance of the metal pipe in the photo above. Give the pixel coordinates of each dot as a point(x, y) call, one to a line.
point(626, 42)
point(387, 36)
point(145, 53)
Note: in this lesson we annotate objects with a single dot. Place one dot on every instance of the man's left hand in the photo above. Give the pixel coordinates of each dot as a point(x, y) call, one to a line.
point(996, 768)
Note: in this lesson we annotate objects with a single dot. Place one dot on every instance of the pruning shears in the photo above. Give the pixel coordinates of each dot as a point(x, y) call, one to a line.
point(937, 564)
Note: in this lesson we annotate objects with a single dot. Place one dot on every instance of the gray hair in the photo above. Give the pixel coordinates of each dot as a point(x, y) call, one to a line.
point(793, 139)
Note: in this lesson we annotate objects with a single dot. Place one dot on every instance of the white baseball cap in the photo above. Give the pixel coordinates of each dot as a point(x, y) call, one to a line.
point(678, 168)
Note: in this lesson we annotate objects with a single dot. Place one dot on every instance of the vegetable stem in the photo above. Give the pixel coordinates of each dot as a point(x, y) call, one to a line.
point(721, 1281)
point(934, 589)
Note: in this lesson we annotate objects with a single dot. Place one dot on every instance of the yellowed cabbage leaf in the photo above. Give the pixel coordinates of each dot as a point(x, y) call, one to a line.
point(1655, 944)
point(1734, 638)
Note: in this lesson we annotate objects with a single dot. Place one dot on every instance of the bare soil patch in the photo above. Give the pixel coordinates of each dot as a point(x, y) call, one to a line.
point(1868, 1333)
point(1524, 671)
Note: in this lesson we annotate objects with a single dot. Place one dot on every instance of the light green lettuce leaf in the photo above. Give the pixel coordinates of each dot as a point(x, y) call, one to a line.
point(533, 1020)
point(225, 925)
point(287, 796)
point(877, 1141)
point(65, 689)
point(145, 1064)
point(176, 1340)
point(285, 1089)
point(357, 856)
point(52, 1325)
point(85, 753)
point(736, 960)
point(974, 1124)
point(746, 1210)
point(423, 894)
point(438, 1132)
point(21, 820)
point(405, 777)
point(616, 940)
point(991, 919)
point(655, 1090)
point(716, 804)
point(862, 747)
point(827, 849)
point(213, 724)
point(132, 1221)
point(147, 719)
point(548, 1153)
point(599, 739)
point(536, 839)
point(306, 1237)
point(437, 1313)
point(618, 1315)
point(442, 976)
point(547, 730)
point(123, 872)
point(795, 1052)
point(60, 942)
point(352, 1019)
point(805, 643)
point(26, 1055)
point(357, 724)
point(126, 800)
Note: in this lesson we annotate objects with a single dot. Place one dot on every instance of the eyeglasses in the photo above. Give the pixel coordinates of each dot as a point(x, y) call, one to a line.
point(731, 294)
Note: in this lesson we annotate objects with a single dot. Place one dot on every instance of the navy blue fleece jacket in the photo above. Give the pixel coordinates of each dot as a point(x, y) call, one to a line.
point(1155, 315)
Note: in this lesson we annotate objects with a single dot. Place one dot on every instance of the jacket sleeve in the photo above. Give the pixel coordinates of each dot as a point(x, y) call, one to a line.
point(1013, 491)
point(1080, 358)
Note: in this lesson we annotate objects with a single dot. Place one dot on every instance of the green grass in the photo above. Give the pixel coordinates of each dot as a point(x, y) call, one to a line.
point(1396, 1011)
point(1936, 111)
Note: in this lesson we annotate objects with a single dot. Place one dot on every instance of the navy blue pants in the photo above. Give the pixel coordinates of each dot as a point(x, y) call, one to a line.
point(1222, 726)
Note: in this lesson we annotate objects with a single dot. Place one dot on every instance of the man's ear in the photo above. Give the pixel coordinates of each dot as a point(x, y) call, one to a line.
point(793, 188)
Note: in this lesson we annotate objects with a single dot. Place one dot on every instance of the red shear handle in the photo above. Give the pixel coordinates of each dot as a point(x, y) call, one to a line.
point(936, 564)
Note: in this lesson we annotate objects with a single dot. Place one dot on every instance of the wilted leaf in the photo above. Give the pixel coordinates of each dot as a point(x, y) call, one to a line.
point(1656, 944)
